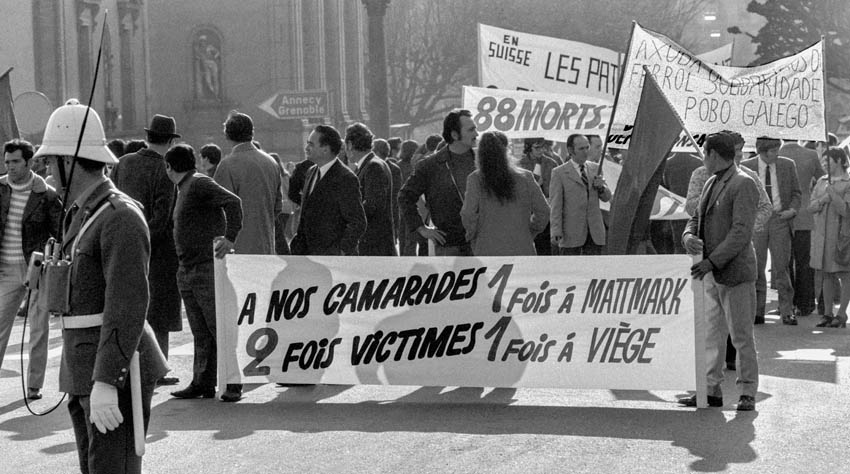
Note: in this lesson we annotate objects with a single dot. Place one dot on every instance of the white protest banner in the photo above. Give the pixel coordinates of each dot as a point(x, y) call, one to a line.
point(585, 322)
point(521, 114)
point(721, 56)
point(514, 60)
point(783, 99)
point(668, 206)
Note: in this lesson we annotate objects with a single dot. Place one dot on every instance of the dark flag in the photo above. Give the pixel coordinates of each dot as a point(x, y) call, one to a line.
point(657, 127)
point(8, 124)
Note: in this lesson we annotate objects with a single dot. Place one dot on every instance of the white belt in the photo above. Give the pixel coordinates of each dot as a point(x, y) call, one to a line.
point(81, 321)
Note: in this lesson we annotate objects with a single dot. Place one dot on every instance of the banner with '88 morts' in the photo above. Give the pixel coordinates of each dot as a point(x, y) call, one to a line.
point(587, 322)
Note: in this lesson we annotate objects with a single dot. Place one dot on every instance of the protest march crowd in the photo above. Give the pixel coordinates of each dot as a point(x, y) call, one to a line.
point(140, 223)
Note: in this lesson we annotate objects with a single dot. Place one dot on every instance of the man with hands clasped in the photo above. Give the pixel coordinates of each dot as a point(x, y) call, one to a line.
point(721, 233)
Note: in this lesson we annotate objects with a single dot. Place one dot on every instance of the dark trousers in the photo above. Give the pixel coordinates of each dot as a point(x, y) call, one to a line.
point(115, 451)
point(803, 276)
point(197, 288)
point(542, 243)
point(589, 248)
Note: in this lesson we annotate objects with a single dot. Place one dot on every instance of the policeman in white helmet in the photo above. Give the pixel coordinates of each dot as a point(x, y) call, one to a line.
point(106, 246)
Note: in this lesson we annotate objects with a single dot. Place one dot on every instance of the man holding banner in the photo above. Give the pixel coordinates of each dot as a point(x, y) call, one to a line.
point(721, 232)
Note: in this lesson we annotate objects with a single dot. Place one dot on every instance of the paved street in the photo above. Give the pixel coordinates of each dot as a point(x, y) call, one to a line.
point(802, 423)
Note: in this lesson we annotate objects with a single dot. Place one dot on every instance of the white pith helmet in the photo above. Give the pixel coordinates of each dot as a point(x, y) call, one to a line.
point(63, 131)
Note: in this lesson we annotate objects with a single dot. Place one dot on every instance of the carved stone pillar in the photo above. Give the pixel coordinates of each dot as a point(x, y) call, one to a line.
point(379, 109)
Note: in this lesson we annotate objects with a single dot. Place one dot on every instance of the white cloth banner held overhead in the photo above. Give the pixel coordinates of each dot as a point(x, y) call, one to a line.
point(521, 114)
point(588, 322)
point(783, 99)
point(721, 56)
point(514, 60)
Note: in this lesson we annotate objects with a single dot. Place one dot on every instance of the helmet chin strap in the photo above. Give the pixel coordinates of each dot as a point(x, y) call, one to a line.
point(65, 179)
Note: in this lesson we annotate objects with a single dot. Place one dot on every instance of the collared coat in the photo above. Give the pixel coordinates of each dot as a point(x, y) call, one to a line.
point(142, 177)
point(332, 218)
point(376, 188)
point(441, 178)
point(575, 211)
point(109, 276)
point(42, 215)
point(254, 176)
point(726, 217)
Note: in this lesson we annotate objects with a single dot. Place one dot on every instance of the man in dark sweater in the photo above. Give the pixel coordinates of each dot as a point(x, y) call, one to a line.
point(441, 178)
point(203, 212)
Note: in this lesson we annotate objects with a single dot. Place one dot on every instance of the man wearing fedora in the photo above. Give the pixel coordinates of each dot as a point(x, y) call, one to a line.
point(141, 175)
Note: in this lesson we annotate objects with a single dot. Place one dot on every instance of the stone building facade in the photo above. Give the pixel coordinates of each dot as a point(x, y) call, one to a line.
point(210, 57)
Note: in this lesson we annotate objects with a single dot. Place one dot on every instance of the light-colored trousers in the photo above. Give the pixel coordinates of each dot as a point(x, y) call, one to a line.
point(729, 311)
point(12, 293)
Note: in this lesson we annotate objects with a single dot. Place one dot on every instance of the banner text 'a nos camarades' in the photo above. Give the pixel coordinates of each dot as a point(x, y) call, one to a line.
point(588, 322)
point(783, 99)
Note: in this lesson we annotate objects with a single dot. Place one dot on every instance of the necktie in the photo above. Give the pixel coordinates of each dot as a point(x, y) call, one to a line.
point(312, 184)
point(583, 176)
point(767, 183)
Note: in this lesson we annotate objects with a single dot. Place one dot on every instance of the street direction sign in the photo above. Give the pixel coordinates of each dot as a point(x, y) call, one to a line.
point(297, 104)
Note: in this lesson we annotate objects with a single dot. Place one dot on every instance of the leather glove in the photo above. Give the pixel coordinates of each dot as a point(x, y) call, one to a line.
point(103, 404)
point(700, 269)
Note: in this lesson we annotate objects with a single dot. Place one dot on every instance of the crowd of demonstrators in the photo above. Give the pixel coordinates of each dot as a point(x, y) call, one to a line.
point(451, 195)
point(504, 207)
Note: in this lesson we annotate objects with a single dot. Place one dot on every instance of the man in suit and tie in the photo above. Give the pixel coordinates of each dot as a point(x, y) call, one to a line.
point(779, 176)
point(332, 218)
point(375, 179)
point(721, 232)
point(574, 193)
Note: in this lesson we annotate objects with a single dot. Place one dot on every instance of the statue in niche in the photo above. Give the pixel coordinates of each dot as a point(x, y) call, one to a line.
point(207, 67)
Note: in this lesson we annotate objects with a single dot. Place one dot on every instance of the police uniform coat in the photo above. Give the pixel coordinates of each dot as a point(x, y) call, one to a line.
point(109, 275)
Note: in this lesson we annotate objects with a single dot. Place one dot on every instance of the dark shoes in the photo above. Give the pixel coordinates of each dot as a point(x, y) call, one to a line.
point(839, 321)
point(731, 366)
point(194, 391)
point(692, 401)
point(168, 381)
point(825, 321)
point(233, 393)
point(746, 403)
point(789, 320)
point(33, 393)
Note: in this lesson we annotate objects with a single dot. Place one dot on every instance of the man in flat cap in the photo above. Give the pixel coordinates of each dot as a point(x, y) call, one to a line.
point(141, 175)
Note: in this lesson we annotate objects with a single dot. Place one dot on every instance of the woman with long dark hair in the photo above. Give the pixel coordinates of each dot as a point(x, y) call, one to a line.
point(504, 208)
point(830, 204)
